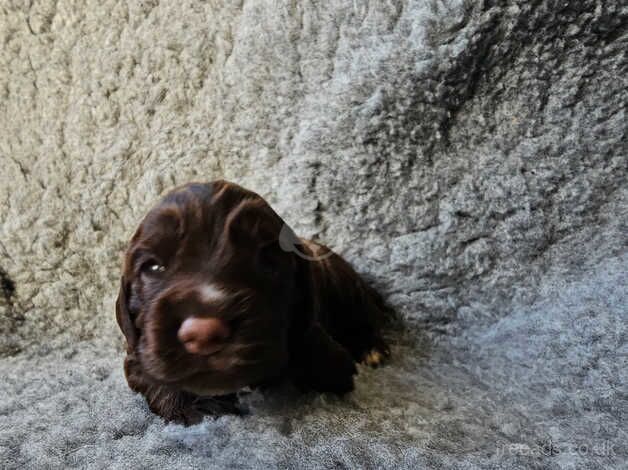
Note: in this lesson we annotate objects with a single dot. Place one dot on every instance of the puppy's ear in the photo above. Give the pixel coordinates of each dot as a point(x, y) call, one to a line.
point(253, 222)
point(123, 315)
point(318, 361)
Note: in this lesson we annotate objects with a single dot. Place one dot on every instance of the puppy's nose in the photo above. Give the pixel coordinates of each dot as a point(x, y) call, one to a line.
point(203, 335)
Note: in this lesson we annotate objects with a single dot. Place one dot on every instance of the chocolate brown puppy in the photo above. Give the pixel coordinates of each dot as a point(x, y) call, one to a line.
point(217, 293)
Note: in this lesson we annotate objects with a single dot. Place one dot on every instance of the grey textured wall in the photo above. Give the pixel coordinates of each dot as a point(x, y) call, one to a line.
point(461, 154)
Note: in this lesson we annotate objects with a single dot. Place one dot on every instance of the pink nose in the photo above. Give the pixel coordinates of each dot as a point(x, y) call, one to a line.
point(203, 335)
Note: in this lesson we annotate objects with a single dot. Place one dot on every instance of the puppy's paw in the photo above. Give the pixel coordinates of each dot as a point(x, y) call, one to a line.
point(333, 373)
point(220, 405)
point(187, 416)
point(322, 364)
point(340, 381)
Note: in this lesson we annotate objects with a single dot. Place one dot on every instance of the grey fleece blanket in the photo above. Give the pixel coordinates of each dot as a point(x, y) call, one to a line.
point(470, 158)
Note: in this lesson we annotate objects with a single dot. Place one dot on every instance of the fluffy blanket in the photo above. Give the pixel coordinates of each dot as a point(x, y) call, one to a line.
point(470, 158)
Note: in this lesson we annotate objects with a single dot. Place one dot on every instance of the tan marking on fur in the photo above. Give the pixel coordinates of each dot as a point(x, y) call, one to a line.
point(315, 249)
point(374, 358)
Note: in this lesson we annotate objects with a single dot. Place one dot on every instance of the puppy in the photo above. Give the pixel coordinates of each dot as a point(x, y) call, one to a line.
point(217, 294)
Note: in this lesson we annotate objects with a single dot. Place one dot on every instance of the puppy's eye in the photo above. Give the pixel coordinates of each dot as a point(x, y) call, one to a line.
point(153, 267)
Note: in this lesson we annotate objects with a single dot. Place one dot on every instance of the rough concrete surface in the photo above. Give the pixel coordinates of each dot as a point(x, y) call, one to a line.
point(469, 157)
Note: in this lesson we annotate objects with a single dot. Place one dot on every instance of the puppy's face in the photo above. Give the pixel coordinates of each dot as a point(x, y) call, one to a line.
point(206, 291)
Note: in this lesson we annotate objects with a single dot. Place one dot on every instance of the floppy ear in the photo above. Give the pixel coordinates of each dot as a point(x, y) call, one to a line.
point(123, 316)
point(253, 221)
point(318, 361)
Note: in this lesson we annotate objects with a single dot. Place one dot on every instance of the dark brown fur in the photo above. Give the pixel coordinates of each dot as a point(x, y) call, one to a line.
point(296, 309)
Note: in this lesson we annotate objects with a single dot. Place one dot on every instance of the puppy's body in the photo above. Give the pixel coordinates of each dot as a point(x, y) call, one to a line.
point(218, 294)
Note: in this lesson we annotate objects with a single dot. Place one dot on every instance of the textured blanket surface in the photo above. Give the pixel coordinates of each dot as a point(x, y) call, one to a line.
point(469, 158)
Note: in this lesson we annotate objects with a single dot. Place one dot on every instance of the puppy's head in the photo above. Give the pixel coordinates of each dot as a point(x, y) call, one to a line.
point(206, 290)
